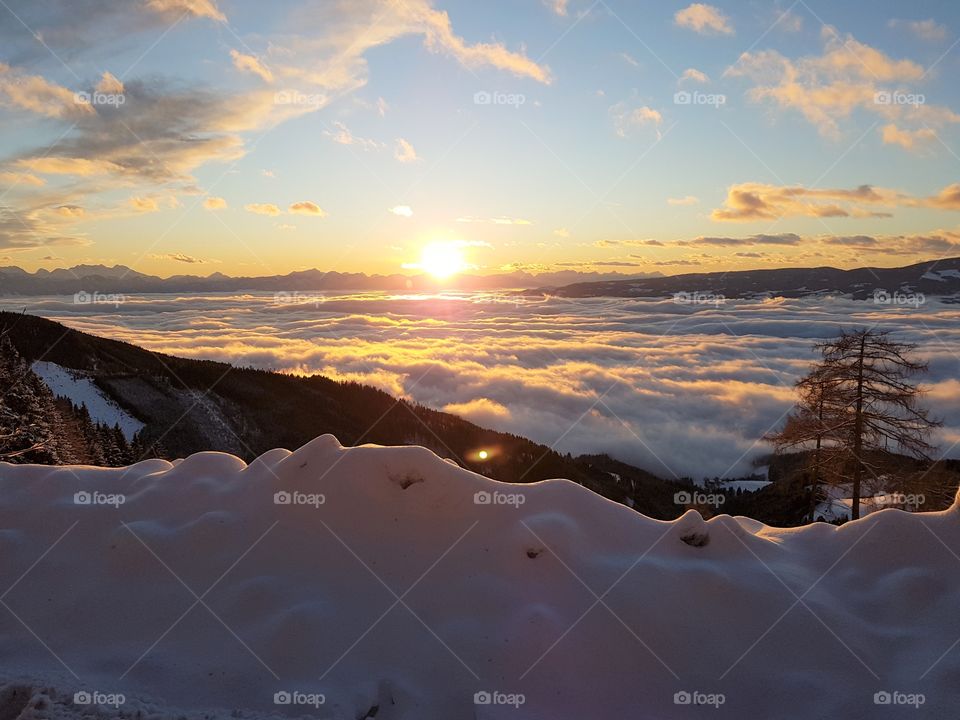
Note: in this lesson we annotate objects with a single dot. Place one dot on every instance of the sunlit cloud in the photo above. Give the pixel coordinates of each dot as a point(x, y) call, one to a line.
point(402, 210)
point(929, 30)
point(262, 209)
point(685, 200)
point(251, 64)
point(404, 152)
point(694, 75)
point(215, 203)
point(704, 19)
point(626, 119)
point(306, 207)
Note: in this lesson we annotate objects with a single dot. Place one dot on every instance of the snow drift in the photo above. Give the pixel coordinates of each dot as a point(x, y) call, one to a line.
point(389, 583)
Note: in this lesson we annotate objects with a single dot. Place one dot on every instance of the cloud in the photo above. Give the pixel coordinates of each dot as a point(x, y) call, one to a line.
point(144, 204)
point(756, 201)
point(402, 210)
point(182, 258)
point(197, 8)
point(848, 75)
point(694, 75)
point(403, 152)
point(306, 207)
point(761, 239)
point(627, 119)
point(11, 179)
point(262, 209)
point(686, 200)
point(37, 95)
point(629, 59)
point(109, 85)
point(560, 7)
point(344, 136)
point(929, 30)
point(480, 410)
point(909, 139)
point(335, 37)
point(25, 230)
point(251, 64)
point(703, 19)
point(499, 220)
point(561, 232)
point(946, 199)
point(215, 203)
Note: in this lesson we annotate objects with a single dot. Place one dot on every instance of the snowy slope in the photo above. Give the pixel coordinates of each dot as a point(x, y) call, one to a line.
point(398, 585)
point(83, 391)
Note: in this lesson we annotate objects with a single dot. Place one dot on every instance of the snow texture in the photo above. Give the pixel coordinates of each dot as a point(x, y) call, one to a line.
point(397, 585)
point(83, 391)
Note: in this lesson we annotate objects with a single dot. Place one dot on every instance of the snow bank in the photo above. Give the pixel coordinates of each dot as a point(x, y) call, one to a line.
point(83, 391)
point(388, 583)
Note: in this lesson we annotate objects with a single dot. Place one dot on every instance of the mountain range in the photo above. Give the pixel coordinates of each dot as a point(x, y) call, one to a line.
point(889, 285)
point(122, 279)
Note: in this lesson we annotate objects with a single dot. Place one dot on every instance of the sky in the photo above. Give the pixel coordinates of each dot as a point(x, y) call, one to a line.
point(383, 136)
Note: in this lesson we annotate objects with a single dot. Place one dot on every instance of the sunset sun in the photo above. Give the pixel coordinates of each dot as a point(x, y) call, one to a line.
point(442, 260)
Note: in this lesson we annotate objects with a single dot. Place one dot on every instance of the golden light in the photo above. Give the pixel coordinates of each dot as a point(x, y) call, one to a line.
point(483, 454)
point(442, 259)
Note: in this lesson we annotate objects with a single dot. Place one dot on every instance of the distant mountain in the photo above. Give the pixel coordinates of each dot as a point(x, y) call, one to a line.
point(933, 278)
point(122, 279)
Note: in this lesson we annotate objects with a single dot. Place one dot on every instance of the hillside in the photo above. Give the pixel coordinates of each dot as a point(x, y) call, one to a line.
point(932, 278)
point(348, 583)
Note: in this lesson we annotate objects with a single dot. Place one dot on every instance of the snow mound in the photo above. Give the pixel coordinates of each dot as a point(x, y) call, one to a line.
point(386, 582)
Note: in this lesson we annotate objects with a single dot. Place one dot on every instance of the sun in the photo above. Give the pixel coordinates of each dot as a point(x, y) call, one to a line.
point(442, 259)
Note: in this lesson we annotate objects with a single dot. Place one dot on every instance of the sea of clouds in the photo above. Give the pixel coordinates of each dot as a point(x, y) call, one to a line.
point(675, 388)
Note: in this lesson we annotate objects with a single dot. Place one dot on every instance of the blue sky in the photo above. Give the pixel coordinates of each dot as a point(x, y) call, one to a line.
point(257, 138)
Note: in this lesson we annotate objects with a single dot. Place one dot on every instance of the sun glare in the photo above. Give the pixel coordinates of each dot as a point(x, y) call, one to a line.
point(442, 260)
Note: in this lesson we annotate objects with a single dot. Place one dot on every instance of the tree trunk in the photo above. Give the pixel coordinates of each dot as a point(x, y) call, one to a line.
point(858, 435)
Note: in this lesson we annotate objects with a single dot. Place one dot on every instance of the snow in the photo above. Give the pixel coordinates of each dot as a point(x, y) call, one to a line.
point(390, 582)
point(83, 391)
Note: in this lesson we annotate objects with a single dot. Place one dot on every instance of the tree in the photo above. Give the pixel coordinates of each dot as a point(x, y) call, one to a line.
point(858, 404)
